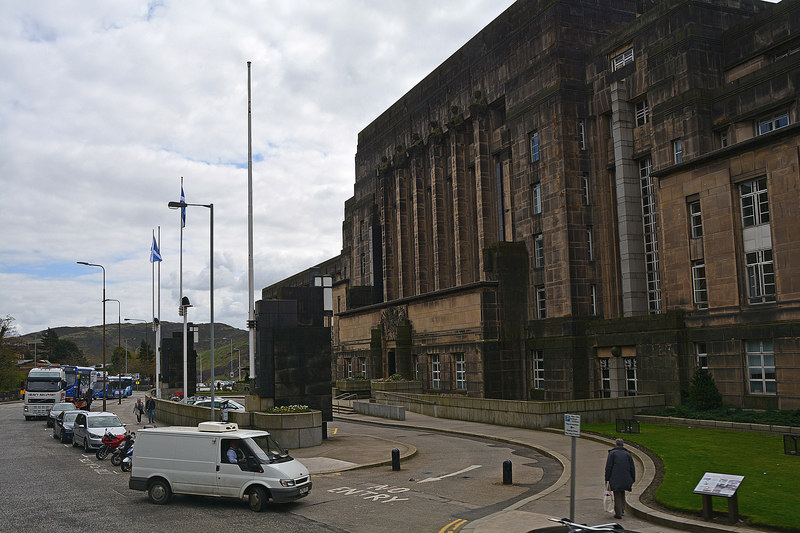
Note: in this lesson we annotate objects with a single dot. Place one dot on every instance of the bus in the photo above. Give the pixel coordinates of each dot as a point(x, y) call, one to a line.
point(120, 385)
point(79, 378)
point(45, 387)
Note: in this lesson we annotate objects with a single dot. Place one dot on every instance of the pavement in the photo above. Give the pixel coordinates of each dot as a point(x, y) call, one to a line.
point(348, 452)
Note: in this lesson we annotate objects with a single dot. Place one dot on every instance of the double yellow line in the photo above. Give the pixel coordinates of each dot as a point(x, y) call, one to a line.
point(453, 526)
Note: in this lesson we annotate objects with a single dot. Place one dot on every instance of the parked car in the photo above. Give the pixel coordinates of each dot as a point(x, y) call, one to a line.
point(191, 400)
point(58, 408)
point(232, 405)
point(89, 428)
point(62, 426)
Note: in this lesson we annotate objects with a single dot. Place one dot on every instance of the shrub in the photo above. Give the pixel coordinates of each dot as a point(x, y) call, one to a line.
point(703, 392)
point(289, 409)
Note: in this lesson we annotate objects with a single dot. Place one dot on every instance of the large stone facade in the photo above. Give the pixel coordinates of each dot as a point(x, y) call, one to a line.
point(583, 202)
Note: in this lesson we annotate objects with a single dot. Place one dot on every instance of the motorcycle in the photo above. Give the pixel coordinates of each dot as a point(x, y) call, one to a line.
point(122, 450)
point(108, 443)
point(127, 462)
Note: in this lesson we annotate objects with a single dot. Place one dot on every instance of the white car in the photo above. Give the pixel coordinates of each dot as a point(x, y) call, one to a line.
point(232, 405)
point(57, 408)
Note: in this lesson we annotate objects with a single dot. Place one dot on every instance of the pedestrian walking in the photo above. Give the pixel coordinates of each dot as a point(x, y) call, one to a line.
point(224, 411)
point(150, 407)
point(138, 409)
point(620, 475)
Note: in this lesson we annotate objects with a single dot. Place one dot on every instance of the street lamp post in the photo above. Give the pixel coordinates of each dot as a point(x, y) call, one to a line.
point(105, 374)
point(231, 354)
point(239, 362)
point(119, 337)
point(178, 205)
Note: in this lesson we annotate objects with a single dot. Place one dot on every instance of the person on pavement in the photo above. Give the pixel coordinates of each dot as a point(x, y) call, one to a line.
point(150, 407)
point(620, 475)
point(138, 409)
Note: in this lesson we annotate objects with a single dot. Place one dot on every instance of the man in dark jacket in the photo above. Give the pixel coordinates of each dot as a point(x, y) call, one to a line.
point(620, 475)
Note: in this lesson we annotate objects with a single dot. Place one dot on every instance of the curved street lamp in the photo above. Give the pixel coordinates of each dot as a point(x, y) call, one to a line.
point(105, 374)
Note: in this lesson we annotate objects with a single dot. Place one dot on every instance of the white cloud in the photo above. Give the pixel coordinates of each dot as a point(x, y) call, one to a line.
point(103, 106)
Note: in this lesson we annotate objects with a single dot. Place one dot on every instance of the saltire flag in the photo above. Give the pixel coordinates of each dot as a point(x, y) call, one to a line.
point(183, 209)
point(155, 254)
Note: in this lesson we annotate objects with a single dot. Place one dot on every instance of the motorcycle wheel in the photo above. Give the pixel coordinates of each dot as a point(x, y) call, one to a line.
point(116, 459)
point(102, 452)
point(126, 466)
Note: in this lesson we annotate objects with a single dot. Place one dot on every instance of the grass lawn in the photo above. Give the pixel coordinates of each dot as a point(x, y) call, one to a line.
point(768, 494)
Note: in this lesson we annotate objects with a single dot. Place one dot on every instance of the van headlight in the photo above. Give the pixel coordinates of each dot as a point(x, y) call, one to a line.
point(287, 482)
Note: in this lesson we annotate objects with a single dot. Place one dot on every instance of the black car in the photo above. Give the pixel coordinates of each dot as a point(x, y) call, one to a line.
point(62, 425)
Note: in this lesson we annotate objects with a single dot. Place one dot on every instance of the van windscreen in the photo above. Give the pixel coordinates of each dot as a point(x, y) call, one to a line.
point(267, 450)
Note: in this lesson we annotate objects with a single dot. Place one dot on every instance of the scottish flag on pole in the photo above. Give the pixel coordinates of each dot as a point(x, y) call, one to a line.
point(155, 254)
point(183, 209)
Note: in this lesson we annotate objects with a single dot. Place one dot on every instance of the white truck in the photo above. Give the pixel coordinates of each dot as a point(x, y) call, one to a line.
point(216, 459)
point(45, 387)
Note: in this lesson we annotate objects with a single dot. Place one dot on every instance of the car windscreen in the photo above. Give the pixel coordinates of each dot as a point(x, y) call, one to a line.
point(104, 421)
point(267, 450)
point(70, 417)
point(44, 385)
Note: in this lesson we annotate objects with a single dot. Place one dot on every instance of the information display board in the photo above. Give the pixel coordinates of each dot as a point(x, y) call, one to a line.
point(572, 425)
point(715, 484)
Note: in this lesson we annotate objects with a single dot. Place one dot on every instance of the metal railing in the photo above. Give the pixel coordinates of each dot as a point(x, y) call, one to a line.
point(346, 397)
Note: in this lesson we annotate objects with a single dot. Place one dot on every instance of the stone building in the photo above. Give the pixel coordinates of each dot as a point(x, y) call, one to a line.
point(585, 201)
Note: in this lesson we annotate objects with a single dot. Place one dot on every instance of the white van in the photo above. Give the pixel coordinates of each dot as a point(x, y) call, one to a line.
point(216, 459)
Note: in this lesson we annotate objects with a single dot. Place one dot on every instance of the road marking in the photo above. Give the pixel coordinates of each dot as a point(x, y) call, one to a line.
point(327, 475)
point(335, 431)
point(98, 469)
point(453, 526)
point(473, 467)
point(371, 494)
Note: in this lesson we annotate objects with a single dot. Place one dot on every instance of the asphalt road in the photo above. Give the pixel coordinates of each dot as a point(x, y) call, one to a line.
point(48, 486)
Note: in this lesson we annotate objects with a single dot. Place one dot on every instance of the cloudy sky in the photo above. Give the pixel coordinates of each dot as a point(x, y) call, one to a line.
point(105, 105)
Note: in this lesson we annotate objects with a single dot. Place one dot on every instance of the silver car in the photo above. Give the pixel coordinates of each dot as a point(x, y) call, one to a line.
point(89, 428)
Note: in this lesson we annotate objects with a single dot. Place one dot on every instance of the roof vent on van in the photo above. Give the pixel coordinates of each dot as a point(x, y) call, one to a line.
point(217, 426)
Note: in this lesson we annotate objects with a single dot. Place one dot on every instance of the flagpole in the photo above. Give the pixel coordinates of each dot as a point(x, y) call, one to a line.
point(251, 323)
point(158, 328)
point(153, 299)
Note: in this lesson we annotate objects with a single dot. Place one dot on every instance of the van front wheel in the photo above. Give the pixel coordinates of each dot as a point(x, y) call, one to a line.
point(159, 492)
point(257, 499)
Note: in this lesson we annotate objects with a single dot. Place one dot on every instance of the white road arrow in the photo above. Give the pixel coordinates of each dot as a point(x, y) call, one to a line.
point(473, 467)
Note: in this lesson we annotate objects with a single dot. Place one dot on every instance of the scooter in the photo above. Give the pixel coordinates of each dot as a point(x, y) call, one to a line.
point(109, 442)
point(122, 450)
point(127, 462)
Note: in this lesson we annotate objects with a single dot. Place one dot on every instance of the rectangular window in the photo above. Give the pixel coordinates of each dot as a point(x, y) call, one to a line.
point(723, 138)
point(642, 113)
point(364, 366)
point(695, 219)
point(699, 284)
point(773, 123)
point(541, 303)
point(761, 367)
point(650, 223)
point(350, 368)
point(436, 372)
point(631, 378)
point(538, 369)
point(581, 136)
point(534, 139)
point(585, 189)
point(605, 377)
point(461, 372)
point(677, 151)
point(593, 300)
point(622, 59)
point(536, 198)
point(589, 247)
point(538, 250)
point(754, 202)
point(416, 367)
point(701, 355)
point(760, 276)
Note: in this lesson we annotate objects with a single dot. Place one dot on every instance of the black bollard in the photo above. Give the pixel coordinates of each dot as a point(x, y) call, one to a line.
point(506, 472)
point(395, 459)
point(324, 431)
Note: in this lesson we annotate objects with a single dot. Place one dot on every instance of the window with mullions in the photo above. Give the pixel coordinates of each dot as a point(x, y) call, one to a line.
point(541, 303)
point(538, 369)
point(631, 377)
point(650, 223)
point(461, 372)
point(677, 151)
point(699, 286)
point(773, 123)
point(695, 220)
point(585, 180)
point(364, 366)
point(761, 367)
point(642, 113)
point(593, 299)
point(622, 59)
point(436, 372)
point(760, 276)
point(536, 198)
point(605, 378)
point(350, 368)
point(581, 136)
point(589, 246)
point(534, 142)
point(755, 202)
point(701, 355)
point(538, 251)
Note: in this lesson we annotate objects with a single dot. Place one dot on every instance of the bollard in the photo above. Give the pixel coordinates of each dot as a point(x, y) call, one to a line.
point(395, 459)
point(506, 472)
point(324, 430)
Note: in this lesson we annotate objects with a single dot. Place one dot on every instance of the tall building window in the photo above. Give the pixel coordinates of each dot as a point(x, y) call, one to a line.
point(534, 140)
point(350, 368)
point(585, 181)
point(416, 367)
point(772, 123)
point(589, 246)
point(701, 355)
point(436, 372)
point(541, 303)
point(723, 138)
point(760, 276)
point(536, 198)
point(622, 59)
point(605, 377)
point(538, 251)
point(754, 202)
point(364, 367)
point(593, 299)
point(642, 113)
point(761, 367)
point(699, 284)
point(650, 222)
point(695, 220)
point(461, 372)
point(631, 377)
point(581, 136)
point(677, 151)
point(538, 369)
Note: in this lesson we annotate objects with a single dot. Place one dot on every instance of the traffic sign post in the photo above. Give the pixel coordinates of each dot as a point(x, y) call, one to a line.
point(572, 428)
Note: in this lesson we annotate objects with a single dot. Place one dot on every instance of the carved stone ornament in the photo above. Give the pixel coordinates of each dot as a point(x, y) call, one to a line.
point(390, 319)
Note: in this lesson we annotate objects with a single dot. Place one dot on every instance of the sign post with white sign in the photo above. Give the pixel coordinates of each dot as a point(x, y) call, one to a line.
point(572, 428)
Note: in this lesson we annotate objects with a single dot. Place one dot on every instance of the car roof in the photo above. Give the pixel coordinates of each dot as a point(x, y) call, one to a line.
point(101, 413)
